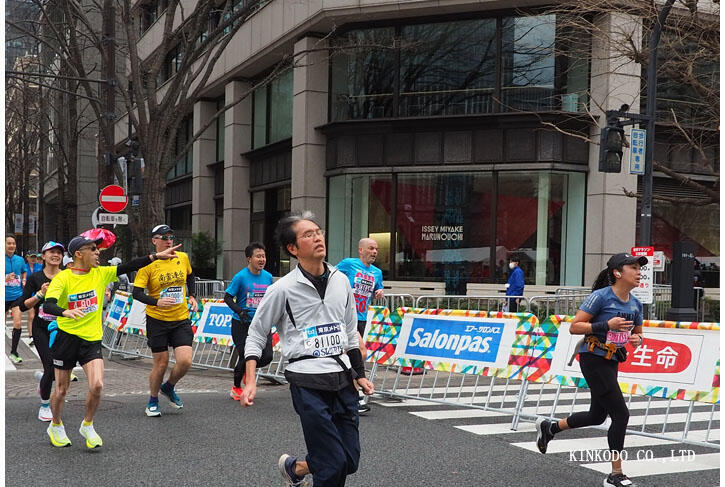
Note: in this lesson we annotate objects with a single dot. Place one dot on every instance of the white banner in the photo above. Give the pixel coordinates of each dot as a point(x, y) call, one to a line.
point(677, 358)
point(460, 340)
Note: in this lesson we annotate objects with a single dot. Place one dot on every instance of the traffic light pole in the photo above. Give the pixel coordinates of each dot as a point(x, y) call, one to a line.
point(645, 221)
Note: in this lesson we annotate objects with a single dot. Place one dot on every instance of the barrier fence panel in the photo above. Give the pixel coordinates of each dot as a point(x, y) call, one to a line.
point(532, 384)
point(491, 303)
point(209, 289)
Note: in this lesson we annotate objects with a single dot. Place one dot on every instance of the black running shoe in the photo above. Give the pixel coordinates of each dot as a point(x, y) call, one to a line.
point(544, 436)
point(363, 408)
point(618, 480)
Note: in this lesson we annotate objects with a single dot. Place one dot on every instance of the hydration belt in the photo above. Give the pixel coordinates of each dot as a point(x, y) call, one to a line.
point(593, 342)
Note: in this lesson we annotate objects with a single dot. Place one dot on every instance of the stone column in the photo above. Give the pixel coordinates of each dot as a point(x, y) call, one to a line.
point(309, 111)
point(237, 140)
point(611, 216)
point(204, 153)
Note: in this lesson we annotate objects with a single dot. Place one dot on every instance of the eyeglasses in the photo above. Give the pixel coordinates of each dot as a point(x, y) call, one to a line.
point(165, 237)
point(312, 234)
point(92, 248)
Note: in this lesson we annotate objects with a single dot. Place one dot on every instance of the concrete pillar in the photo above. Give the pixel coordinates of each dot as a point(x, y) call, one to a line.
point(237, 140)
point(309, 111)
point(611, 216)
point(204, 153)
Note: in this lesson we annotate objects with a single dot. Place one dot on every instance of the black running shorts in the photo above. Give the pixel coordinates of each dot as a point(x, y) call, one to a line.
point(164, 334)
point(67, 350)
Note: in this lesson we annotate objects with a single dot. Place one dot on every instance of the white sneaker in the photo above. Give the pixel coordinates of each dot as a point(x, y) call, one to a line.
point(38, 374)
point(92, 438)
point(44, 413)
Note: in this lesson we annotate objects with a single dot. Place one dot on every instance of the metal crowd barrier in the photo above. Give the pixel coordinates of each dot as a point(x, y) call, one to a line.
point(393, 301)
point(209, 289)
point(479, 303)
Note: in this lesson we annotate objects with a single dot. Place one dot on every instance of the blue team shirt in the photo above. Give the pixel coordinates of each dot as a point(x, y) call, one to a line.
point(605, 305)
point(14, 288)
point(36, 268)
point(248, 289)
point(364, 281)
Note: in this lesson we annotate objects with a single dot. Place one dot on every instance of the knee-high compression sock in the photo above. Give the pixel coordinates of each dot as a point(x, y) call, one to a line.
point(16, 340)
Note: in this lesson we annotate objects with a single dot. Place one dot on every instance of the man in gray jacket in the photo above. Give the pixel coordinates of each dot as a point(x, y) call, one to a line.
point(315, 309)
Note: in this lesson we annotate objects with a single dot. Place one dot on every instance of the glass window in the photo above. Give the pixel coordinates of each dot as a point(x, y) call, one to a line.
point(528, 63)
point(448, 68)
point(443, 228)
point(360, 206)
point(185, 163)
point(280, 112)
point(363, 75)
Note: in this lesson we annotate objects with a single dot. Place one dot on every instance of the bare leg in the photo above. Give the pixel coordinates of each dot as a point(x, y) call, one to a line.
point(57, 399)
point(182, 355)
point(161, 361)
point(16, 318)
point(94, 373)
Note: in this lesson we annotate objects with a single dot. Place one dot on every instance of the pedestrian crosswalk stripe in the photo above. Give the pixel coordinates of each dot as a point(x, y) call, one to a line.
point(564, 445)
point(662, 465)
point(8, 364)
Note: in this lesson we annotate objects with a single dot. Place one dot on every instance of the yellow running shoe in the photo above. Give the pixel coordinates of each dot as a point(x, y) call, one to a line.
point(73, 377)
point(92, 438)
point(57, 435)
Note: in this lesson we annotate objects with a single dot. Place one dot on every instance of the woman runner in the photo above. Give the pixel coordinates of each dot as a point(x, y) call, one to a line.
point(609, 318)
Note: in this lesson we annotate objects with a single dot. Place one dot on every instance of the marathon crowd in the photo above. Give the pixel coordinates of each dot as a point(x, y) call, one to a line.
point(320, 312)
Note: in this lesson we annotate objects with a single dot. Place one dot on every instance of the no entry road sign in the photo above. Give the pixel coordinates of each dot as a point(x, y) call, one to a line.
point(113, 199)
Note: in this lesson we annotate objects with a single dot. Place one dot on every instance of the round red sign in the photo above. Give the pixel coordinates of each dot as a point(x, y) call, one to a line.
point(113, 199)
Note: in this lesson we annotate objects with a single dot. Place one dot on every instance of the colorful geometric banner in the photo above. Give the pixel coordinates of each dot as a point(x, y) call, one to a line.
point(673, 362)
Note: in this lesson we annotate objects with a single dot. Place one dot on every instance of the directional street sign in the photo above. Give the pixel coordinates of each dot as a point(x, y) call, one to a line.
point(113, 198)
point(113, 218)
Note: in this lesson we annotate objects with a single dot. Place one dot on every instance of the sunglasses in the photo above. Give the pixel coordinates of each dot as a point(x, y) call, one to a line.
point(165, 237)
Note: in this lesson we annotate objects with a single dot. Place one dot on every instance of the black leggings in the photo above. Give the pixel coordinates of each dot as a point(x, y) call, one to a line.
point(240, 330)
point(41, 338)
point(607, 399)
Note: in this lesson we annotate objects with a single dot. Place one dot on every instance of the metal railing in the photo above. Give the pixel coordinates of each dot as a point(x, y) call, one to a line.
point(480, 303)
point(209, 289)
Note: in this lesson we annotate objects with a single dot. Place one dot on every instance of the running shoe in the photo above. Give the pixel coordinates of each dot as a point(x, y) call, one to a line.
point(38, 375)
point(31, 344)
point(286, 466)
point(171, 394)
point(363, 408)
point(16, 358)
point(57, 435)
point(236, 393)
point(618, 480)
point(44, 413)
point(73, 377)
point(543, 434)
point(153, 410)
point(92, 438)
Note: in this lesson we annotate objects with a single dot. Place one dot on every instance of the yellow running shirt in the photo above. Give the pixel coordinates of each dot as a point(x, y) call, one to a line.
point(84, 291)
point(166, 278)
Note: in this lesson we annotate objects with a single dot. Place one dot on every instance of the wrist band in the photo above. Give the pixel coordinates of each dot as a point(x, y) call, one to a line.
point(600, 327)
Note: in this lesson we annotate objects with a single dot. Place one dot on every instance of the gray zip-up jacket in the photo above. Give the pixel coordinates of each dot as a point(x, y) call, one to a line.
point(296, 292)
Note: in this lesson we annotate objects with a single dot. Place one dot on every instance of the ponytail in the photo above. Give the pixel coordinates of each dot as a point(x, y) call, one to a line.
point(604, 279)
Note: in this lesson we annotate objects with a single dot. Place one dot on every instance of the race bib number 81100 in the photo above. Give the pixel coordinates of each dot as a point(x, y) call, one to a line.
point(324, 340)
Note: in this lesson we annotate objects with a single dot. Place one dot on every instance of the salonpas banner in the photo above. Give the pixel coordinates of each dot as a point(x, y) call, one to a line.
point(464, 341)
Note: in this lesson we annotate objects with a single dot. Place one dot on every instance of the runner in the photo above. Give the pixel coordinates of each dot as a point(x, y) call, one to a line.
point(32, 266)
point(167, 317)
point(34, 292)
point(243, 296)
point(314, 309)
point(609, 318)
point(74, 296)
point(15, 276)
point(365, 279)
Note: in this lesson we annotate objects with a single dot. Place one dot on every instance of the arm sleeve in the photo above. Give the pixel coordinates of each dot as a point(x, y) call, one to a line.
point(142, 297)
point(28, 291)
point(356, 362)
point(51, 307)
point(133, 265)
point(191, 285)
point(229, 300)
point(268, 313)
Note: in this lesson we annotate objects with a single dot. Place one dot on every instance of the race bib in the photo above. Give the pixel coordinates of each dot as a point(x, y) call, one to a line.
point(14, 282)
point(86, 302)
point(45, 316)
point(618, 338)
point(324, 340)
point(253, 299)
point(363, 286)
point(174, 292)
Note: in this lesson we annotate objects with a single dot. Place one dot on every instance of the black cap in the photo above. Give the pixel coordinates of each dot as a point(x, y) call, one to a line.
point(618, 260)
point(161, 230)
point(79, 241)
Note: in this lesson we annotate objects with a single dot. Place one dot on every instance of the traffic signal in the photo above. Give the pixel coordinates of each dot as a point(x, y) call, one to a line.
point(610, 149)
